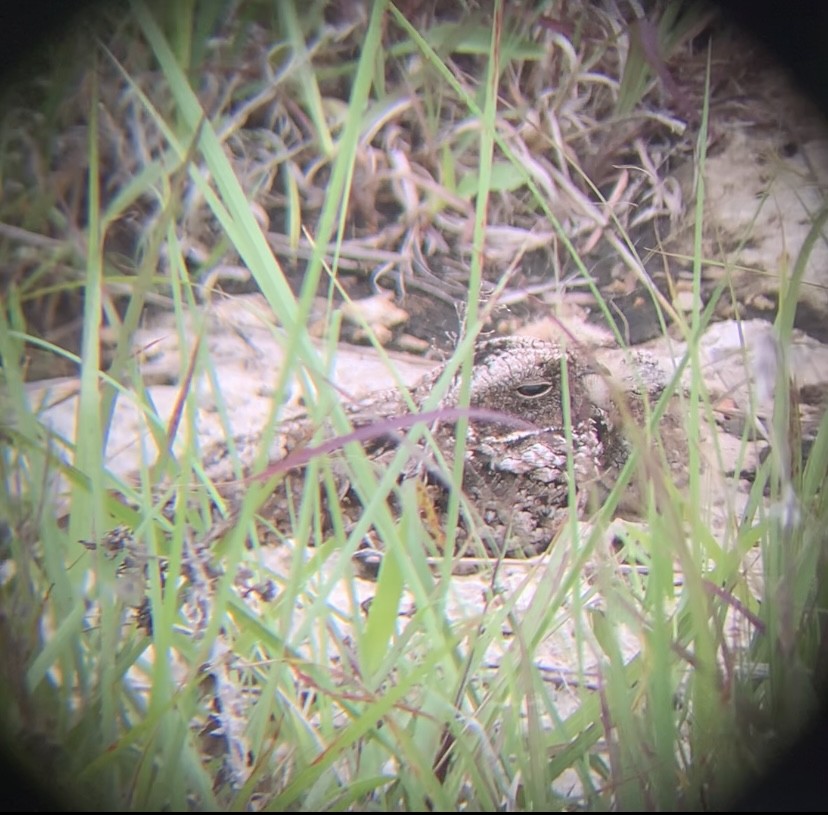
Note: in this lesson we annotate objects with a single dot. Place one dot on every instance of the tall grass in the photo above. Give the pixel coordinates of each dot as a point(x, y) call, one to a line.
point(248, 681)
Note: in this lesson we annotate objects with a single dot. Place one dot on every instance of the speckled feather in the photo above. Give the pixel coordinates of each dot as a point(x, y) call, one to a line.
point(515, 480)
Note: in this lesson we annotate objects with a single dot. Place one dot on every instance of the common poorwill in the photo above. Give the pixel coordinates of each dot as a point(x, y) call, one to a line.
point(516, 474)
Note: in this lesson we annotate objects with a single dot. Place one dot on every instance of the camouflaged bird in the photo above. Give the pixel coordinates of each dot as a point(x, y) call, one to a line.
point(519, 454)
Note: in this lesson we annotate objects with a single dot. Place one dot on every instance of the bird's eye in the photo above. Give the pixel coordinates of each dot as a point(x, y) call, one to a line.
point(532, 390)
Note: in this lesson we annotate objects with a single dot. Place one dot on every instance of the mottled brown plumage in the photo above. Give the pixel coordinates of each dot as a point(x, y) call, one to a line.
point(515, 473)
